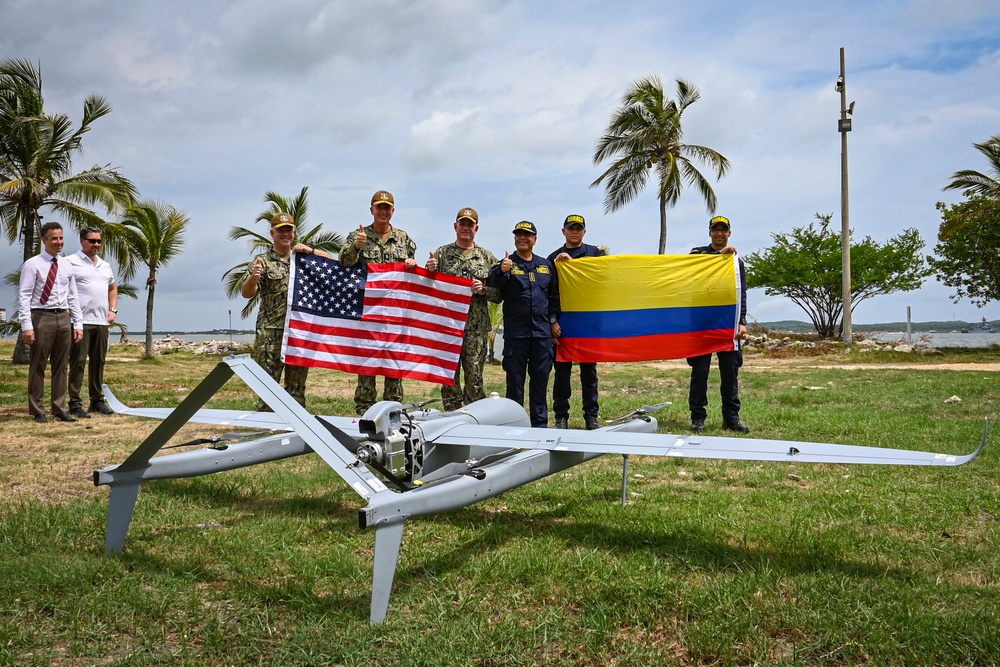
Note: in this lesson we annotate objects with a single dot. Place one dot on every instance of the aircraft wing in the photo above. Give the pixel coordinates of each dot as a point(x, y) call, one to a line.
point(241, 418)
point(694, 446)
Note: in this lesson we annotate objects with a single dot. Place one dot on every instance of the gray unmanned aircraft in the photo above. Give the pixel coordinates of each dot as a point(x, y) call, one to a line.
point(407, 462)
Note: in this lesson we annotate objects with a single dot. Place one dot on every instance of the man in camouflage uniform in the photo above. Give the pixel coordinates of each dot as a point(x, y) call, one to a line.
point(465, 258)
point(378, 243)
point(268, 275)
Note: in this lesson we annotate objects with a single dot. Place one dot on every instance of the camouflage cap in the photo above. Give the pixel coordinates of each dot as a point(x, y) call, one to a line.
point(282, 220)
point(468, 214)
point(383, 197)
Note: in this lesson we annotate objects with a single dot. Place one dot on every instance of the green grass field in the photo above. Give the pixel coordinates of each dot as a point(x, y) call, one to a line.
point(711, 563)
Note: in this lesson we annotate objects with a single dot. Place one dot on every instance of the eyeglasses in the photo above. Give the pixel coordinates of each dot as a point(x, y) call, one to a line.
point(93, 241)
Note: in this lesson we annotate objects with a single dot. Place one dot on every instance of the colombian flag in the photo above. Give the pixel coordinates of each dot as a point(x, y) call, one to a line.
point(648, 307)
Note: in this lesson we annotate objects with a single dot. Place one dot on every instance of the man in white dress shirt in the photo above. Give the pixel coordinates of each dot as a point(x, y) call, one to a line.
point(49, 310)
point(98, 291)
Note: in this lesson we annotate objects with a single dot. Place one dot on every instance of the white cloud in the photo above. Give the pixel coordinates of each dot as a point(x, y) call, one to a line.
point(497, 105)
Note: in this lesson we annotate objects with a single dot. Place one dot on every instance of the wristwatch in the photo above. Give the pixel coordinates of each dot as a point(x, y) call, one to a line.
point(113, 310)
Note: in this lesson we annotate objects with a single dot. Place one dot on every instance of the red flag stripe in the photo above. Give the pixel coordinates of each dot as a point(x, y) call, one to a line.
point(398, 334)
point(365, 369)
point(444, 281)
point(389, 285)
point(371, 354)
point(652, 347)
point(404, 309)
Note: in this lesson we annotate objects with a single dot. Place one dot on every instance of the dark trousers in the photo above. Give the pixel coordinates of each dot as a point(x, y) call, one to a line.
point(561, 390)
point(729, 387)
point(531, 357)
point(53, 335)
point(93, 346)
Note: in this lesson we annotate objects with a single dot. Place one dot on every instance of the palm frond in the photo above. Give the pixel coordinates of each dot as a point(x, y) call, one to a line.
point(645, 135)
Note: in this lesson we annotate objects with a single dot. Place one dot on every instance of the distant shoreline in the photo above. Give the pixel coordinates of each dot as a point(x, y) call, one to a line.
point(790, 326)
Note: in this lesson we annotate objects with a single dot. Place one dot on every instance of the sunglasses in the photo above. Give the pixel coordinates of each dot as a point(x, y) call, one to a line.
point(93, 241)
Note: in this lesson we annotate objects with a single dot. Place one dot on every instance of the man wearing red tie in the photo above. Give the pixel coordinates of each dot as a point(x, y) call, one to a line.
point(49, 310)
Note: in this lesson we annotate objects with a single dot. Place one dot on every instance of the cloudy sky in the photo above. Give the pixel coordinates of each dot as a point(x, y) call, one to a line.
point(497, 104)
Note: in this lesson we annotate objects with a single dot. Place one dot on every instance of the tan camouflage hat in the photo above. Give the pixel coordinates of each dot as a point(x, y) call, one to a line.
point(282, 220)
point(383, 197)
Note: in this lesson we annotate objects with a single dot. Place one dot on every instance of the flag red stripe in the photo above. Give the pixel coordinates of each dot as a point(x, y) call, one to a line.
point(403, 285)
point(457, 281)
point(408, 356)
point(373, 306)
point(421, 354)
point(363, 369)
point(646, 348)
point(331, 328)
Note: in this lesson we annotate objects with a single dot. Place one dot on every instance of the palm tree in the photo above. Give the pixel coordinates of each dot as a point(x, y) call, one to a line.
point(644, 134)
point(298, 208)
point(152, 233)
point(36, 156)
point(496, 323)
point(976, 186)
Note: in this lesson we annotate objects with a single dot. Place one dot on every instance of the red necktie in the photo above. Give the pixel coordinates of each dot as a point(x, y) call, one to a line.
point(50, 281)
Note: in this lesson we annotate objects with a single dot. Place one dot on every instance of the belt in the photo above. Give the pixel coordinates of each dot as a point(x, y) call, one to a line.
point(49, 310)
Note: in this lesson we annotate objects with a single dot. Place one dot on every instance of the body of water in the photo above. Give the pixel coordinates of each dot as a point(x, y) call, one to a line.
point(943, 339)
point(190, 337)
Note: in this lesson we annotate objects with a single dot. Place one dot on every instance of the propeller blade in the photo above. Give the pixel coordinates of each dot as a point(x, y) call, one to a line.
point(417, 406)
point(216, 439)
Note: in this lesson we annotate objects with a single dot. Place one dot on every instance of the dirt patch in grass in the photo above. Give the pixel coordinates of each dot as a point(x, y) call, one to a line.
point(752, 364)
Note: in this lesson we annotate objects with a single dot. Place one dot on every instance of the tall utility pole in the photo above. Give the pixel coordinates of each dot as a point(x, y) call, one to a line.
point(844, 126)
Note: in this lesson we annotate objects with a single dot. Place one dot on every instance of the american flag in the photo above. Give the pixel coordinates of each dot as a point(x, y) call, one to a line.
point(375, 319)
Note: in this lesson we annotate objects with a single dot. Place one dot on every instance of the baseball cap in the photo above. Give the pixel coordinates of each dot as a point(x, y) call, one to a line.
point(383, 197)
point(719, 220)
point(525, 226)
point(468, 214)
point(574, 220)
point(282, 220)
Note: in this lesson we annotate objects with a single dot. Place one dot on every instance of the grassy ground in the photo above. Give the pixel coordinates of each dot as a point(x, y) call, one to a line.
point(711, 563)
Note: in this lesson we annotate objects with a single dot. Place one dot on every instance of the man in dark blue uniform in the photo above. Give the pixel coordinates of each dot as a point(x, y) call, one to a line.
point(529, 290)
point(729, 362)
point(574, 229)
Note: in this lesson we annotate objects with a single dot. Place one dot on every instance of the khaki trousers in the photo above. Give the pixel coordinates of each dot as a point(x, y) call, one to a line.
point(53, 336)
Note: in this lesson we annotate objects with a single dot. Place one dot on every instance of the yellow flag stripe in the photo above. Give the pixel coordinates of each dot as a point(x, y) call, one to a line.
point(634, 282)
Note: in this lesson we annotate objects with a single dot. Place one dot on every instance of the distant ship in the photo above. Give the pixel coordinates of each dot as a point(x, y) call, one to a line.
point(980, 327)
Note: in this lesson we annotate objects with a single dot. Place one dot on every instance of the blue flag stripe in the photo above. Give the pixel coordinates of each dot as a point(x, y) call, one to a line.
point(648, 322)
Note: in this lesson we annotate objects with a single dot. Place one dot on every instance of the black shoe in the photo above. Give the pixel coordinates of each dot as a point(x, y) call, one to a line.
point(63, 417)
point(101, 407)
point(562, 422)
point(697, 425)
point(737, 426)
point(592, 423)
point(79, 412)
point(41, 419)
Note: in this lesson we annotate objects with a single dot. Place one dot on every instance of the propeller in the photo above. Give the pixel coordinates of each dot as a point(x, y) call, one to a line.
point(470, 467)
point(640, 412)
point(216, 439)
point(417, 406)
